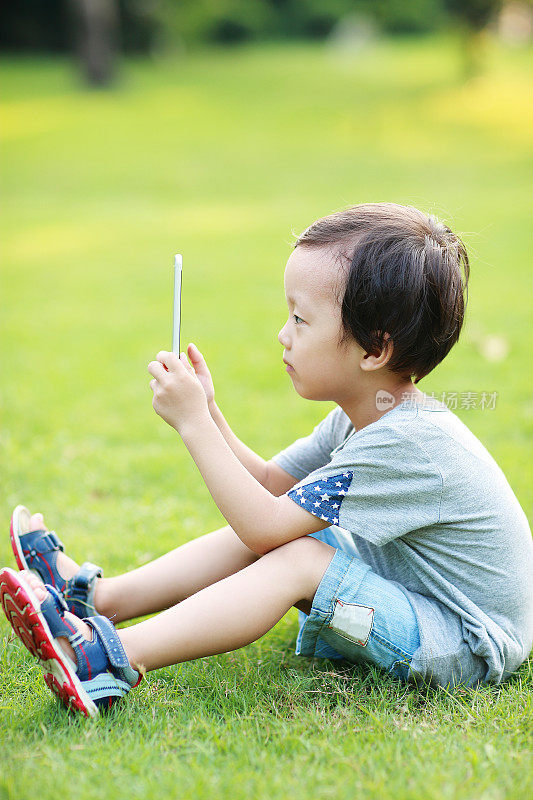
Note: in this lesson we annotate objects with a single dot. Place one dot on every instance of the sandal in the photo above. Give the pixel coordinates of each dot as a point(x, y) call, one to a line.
point(37, 551)
point(102, 674)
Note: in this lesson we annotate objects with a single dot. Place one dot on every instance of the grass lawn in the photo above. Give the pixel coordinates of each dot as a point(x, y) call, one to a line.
point(220, 156)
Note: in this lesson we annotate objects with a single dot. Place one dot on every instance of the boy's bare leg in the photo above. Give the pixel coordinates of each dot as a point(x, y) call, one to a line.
point(233, 612)
point(174, 576)
point(228, 614)
point(167, 580)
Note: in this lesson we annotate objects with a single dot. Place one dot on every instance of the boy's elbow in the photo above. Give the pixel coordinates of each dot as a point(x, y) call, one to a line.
point(273, 529)
point(262, 543)
point(264, 547)
point(260, 546)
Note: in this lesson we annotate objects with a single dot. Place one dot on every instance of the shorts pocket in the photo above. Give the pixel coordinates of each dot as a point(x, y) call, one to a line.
point(352, 621)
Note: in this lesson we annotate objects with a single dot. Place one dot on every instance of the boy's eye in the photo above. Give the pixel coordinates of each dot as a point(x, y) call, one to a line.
point(296, 318)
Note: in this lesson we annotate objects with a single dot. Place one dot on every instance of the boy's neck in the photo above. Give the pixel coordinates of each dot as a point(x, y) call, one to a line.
point(375, 402)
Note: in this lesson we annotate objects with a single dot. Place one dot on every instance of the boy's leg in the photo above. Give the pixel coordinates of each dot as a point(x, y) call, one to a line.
point(228, 614)
point(167, 580)
point(234, 611)
point(174, 576)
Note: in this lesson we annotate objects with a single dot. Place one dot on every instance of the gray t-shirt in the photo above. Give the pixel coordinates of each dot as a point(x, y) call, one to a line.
point(429, 509)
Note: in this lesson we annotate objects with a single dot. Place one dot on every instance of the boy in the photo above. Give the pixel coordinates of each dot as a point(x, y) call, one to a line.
point(390, 527)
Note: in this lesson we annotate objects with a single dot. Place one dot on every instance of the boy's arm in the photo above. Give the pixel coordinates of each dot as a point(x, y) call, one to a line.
point(268, 473)
point(260, 520)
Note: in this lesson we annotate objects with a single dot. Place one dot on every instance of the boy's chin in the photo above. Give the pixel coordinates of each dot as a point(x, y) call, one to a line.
point(312, 394)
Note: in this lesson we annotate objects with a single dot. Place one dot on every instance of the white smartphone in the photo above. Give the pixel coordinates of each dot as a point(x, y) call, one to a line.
point(176, 323)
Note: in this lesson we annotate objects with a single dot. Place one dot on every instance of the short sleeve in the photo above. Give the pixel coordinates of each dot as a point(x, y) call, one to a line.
point(381, 485)
point(313, 451)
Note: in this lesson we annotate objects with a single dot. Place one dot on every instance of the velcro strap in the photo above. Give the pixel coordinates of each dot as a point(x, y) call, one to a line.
point(42, 541)
point(109, 640)
point(85, 576)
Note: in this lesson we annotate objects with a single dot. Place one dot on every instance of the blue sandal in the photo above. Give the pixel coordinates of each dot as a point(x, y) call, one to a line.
point(37, 551)
point(102, 674)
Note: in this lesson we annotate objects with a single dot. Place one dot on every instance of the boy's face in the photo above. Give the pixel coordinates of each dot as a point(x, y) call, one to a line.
point(320, 369)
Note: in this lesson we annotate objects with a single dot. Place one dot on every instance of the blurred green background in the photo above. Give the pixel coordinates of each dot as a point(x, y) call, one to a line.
point(221, 153)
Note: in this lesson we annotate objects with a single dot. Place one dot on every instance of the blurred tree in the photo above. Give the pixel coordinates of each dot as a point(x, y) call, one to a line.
point(399, 16)
point(474, 14)
point(33, 25)
point(47, 25)
point(225, 21)
point(95, 29)
point(147, 24)
point(472, 17)
point(240, 20)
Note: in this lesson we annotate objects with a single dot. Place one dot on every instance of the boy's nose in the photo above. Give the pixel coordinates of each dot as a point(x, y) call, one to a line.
point(282, 339)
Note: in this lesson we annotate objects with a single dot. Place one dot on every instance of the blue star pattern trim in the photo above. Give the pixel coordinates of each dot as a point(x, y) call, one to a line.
point(324, 497)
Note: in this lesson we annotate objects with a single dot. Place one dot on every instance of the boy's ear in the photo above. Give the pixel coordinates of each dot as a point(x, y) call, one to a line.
point(371, 362)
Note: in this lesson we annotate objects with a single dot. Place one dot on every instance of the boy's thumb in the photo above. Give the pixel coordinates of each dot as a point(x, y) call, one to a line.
point(195, 353)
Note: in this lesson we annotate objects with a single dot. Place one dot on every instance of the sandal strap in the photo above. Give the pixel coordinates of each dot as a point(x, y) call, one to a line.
point(79, 590)
point(103, 653)
point(85, 576)
point(40, 542)
point(109, 641)
point(57, 598)
point(40, 548)
point(53, 610)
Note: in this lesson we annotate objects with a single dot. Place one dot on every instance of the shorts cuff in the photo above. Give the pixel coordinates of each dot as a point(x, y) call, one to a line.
point(342, 568)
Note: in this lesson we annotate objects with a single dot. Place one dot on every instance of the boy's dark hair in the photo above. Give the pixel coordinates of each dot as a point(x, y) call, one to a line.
point(407, 277)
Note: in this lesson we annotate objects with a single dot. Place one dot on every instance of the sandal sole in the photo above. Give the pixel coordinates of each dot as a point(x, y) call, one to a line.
point(23, 611)
point(14, 535)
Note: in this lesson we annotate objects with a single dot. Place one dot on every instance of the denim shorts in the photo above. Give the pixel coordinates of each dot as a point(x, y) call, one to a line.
point(357, 615)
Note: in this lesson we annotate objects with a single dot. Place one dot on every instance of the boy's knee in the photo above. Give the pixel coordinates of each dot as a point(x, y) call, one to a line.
point(308, 544)
point(308, 557)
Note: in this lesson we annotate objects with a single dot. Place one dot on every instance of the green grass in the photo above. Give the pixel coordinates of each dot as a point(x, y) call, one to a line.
point(219, 156)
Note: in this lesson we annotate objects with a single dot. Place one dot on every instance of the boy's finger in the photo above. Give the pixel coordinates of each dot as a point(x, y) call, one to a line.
point(168, 359)
point(156, 369)
point(196, 357)
point(165, 355)
point(183, 359)
point(194, 353)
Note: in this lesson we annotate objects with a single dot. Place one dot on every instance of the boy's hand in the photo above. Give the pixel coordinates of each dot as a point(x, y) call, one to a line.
point(179, 397)
point(202, 373)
